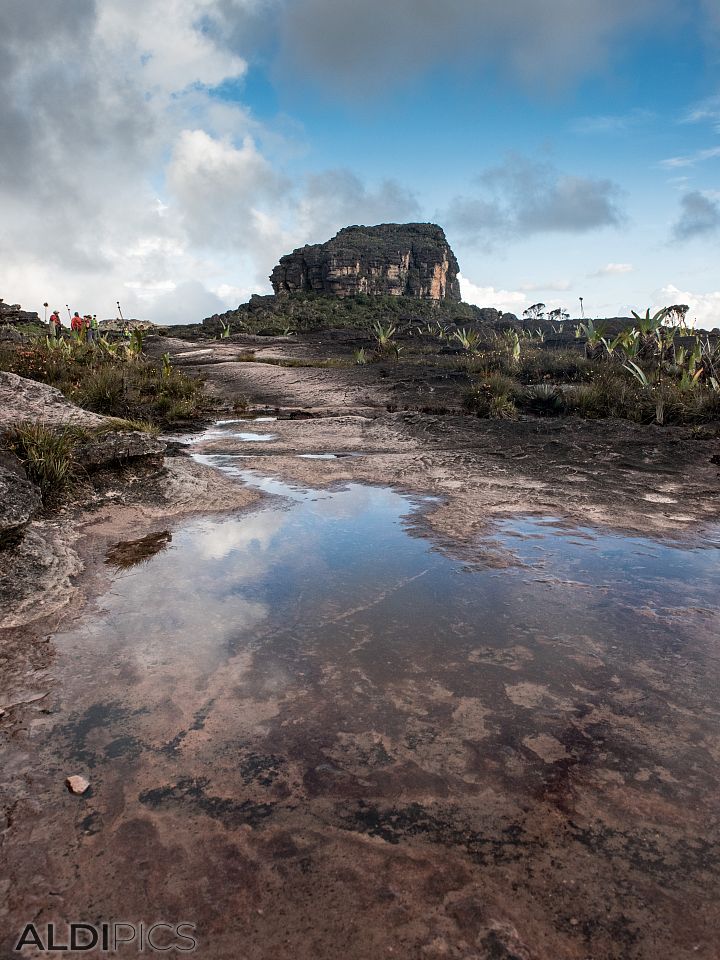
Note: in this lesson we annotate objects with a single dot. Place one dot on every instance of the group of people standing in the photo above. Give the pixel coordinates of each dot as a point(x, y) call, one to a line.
point(86, 327)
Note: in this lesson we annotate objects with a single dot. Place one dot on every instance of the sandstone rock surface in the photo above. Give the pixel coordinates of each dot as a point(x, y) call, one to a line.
point(410, 259)
point(22, 400)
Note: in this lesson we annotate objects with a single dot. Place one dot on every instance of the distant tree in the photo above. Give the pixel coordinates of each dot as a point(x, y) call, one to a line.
point(676, 313)
point(558, 315)
point(535, 312)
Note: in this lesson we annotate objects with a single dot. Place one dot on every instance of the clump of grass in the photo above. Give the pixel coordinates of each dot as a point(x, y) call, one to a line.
point(493, 396)
point(103, 391)
point(48, 456)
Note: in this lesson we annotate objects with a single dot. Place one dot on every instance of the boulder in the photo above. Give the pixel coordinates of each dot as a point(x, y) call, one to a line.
point(410, 259)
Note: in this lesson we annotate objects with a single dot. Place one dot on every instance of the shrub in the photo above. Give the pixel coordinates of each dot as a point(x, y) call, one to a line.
point(493, 396)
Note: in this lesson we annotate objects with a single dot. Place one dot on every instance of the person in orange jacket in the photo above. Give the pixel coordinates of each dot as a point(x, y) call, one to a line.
point(76, 324)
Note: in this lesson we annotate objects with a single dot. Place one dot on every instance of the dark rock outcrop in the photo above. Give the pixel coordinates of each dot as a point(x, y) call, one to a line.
point(409, 259)
point(12, 313)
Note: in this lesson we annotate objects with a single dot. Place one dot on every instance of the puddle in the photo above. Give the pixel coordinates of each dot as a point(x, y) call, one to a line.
point(327, 456)
point(269, 691)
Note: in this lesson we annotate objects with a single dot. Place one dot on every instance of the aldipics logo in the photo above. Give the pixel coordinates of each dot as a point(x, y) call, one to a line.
point(142, 937)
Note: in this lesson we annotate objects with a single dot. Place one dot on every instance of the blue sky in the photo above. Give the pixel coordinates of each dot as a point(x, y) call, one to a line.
point(569, 148)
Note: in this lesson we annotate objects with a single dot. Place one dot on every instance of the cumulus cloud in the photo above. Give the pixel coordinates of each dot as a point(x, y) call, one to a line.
point(699, 216)
point(219, 185)
point(704, 309)
point(523, 197)
point(509, 301)
point(357, 49)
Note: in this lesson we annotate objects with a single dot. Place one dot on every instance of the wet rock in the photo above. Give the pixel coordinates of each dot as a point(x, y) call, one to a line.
point(109, 448)
point(77, 785)
point(400, 259)
point(19, 499)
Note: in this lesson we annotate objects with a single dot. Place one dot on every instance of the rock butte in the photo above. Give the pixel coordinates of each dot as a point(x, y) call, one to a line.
point(399, 259)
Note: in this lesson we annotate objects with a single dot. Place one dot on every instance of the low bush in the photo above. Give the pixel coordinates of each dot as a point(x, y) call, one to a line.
point(493, 396)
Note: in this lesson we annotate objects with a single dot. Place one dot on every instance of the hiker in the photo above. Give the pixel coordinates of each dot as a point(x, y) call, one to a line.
point(95, 328)
point(87, 328)
point(76, 324)
point(56, 324)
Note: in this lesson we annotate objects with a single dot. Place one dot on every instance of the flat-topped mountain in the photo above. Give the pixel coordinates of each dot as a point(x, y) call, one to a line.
point(400, 259)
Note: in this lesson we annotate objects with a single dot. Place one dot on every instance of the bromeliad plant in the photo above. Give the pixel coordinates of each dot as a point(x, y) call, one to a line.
point(468, 339)
point(512, 345)
point(384, 334)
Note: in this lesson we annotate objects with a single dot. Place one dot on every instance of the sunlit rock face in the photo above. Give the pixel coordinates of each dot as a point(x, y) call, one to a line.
point(399, 259)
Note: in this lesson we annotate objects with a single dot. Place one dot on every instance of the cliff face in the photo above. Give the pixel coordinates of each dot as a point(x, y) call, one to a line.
point(400, 259)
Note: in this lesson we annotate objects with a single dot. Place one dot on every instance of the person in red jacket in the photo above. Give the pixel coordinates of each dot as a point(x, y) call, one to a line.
point(56, 324)
point(76, 323)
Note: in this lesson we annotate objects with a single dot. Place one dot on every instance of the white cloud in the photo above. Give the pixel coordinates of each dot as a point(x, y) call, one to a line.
point(704, 307)
point(510, 301)
point(337, 198)
point(220, 190)
point(707, 110)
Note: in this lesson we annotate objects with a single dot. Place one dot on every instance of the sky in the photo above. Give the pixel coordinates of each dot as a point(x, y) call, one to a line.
point(166, 153)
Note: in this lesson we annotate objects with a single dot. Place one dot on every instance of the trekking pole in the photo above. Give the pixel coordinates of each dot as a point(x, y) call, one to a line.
point(120, 311)
point(68, 310)
point(46, 306)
